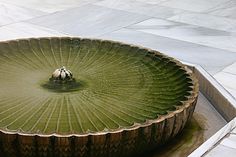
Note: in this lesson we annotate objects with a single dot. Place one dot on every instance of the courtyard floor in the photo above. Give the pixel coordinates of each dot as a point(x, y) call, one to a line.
point(200, 32)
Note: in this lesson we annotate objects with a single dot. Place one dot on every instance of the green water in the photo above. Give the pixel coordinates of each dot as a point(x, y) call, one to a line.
point(121, 85)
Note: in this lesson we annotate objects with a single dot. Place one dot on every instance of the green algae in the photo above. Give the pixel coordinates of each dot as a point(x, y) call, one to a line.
point(118, 86)
point(190, 138)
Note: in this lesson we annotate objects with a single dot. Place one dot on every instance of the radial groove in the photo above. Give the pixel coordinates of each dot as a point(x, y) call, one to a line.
point(119, 86)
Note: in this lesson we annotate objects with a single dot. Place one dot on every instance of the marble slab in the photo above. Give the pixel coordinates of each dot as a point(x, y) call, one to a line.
point(231, 91)
point(11, 13)
point(141, 7)
point(227, 77)
point(206, 20)
point(89, 20)
point(231, 68)
point(25, 30)
point(193, 5)
point(221, 150)
point(229, 141)
point(49, 5)
point(151, 1)
point(234, 131)
point(228, 80)
point(227, 9)
point(212, 59)
point(190, 33)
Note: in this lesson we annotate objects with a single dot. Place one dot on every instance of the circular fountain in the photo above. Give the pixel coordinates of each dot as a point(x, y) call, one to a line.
point(105, 98)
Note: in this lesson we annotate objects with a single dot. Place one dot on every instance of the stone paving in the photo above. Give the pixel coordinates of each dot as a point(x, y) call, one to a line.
point(195, 31)
point(201, 32)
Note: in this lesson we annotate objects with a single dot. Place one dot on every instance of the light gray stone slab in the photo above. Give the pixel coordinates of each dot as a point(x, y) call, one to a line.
point(11, 13)
point(25, 30)
point(231, 68)
point(140, 7)
point(212, 59)
point(190, 33)
point(226, 79)
point(229, 141)
point(89, 20)
point(231, 91)
point(227, 9)
point(49, 5)
point(234, 131)
point(193, 5)
point(221, 150)
point(206, 20)
point(151, 1)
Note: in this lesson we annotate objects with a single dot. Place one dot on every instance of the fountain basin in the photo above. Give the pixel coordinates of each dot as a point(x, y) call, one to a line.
point(128, 100)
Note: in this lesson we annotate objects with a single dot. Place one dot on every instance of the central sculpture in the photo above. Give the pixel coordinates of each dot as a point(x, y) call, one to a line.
point(62, 75)
point(121, 99)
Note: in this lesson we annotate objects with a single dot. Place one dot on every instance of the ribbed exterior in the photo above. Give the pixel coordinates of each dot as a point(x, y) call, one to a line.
point(117, 144)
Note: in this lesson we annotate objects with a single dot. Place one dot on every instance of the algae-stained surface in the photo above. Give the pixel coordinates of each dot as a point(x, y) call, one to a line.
point(123, 85)
point(183, 144)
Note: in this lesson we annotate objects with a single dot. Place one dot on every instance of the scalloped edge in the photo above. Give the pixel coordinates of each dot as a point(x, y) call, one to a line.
point(185, 104)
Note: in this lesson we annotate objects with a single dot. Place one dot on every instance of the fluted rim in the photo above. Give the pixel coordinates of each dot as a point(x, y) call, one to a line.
point(180, 108)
